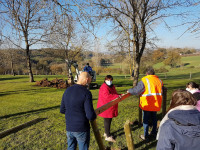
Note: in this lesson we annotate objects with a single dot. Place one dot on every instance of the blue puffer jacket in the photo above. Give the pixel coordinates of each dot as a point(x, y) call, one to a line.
point(181, 131)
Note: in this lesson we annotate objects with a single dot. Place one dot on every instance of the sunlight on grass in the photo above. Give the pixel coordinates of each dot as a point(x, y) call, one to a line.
point(22, 101)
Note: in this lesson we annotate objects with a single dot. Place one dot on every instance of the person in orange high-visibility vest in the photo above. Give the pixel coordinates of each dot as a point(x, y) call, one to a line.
point(150, 91)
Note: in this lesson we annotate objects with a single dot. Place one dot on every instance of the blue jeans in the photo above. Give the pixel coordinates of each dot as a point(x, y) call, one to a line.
point(82, 138)
point(147, 115)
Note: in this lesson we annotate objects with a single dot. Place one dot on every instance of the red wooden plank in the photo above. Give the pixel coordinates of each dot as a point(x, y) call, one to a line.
point(111, 103)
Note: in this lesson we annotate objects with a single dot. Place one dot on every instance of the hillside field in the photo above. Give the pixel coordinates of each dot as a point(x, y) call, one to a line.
point(21, 101)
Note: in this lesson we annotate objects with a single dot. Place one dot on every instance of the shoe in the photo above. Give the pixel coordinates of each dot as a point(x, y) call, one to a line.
point(144, 138)
point(104, 135)
point(110, 139)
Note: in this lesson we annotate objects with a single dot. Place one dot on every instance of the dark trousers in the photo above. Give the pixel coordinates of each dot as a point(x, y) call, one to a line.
point(107, 123)
point(147, 115)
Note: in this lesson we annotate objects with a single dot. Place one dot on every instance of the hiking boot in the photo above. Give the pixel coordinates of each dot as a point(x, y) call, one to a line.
point(110, 139)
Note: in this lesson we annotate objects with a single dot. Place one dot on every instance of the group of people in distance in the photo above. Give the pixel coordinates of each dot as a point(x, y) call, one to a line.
point(179, 129)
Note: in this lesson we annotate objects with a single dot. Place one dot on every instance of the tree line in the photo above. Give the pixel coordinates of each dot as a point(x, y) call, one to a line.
point(52, 61)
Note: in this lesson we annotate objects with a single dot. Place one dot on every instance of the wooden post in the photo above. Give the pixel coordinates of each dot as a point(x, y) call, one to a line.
point(190, 75)
point(129, 138)
point(165, 75)
point(164, 99)
point(97, 134)
point(140, 114)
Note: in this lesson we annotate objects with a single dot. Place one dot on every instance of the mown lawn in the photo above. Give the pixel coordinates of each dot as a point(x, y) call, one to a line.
point(21, 101)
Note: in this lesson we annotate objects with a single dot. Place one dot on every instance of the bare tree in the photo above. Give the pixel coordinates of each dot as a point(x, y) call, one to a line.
point(27, 20)
point(190, 18)
point(69, 32)
point(136, 18)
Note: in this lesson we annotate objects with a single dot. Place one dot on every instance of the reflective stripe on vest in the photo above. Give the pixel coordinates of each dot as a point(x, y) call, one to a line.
point(149, 89)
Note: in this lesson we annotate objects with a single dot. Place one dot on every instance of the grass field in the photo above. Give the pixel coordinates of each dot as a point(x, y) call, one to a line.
point(21, 101)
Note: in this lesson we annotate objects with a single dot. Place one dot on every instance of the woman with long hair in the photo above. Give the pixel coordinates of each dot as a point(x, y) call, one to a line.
point(180, 128)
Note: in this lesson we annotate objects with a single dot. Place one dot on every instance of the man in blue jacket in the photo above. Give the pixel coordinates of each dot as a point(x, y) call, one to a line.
point(78, 109)
point(87, 68)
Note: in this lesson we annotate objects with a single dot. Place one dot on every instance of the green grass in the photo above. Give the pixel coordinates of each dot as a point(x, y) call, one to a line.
point(188, 62)
point(22, 101)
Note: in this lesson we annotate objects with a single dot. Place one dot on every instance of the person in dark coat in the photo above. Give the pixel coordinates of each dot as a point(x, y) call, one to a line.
point(78, 109)
point(108, 93)
point(88, 68)
point(180, 128)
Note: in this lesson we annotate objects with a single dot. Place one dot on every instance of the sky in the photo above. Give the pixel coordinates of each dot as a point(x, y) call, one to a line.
point(175, 37)
point(167, 38)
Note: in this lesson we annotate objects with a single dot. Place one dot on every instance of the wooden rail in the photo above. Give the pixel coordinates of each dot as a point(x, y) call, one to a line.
point(111, 103)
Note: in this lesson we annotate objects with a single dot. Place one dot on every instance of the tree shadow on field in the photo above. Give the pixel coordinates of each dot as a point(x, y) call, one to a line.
point(31, 111)
point(13, 78)
point(152, 144)
point(120, 132)
point(29, 91)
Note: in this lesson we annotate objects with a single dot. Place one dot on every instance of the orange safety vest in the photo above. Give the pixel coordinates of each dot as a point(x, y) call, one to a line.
point(151, 98)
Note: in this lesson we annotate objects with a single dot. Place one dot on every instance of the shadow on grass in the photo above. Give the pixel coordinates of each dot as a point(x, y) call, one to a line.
point(121, 131)
point(152, 144)
point(32, 111)
point(16, 92)
point(11, 78)
point(20, 127)
point(31, 91)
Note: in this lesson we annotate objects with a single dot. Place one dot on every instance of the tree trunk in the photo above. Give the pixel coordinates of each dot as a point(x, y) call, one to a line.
point(29, 63)
point(129, 52)
point(12, 68)
point(136, 73)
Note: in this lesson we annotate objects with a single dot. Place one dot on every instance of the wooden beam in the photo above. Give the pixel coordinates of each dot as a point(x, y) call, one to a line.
point(111, 103)
point(97, 135)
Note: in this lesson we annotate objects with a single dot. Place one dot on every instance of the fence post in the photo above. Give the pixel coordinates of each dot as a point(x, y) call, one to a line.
point(164, 99)
point(190, 75)
point(97, 134)
point(129, 138)
point(140, 114)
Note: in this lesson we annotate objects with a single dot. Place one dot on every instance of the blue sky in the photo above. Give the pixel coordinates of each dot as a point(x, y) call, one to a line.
point(167, 38)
